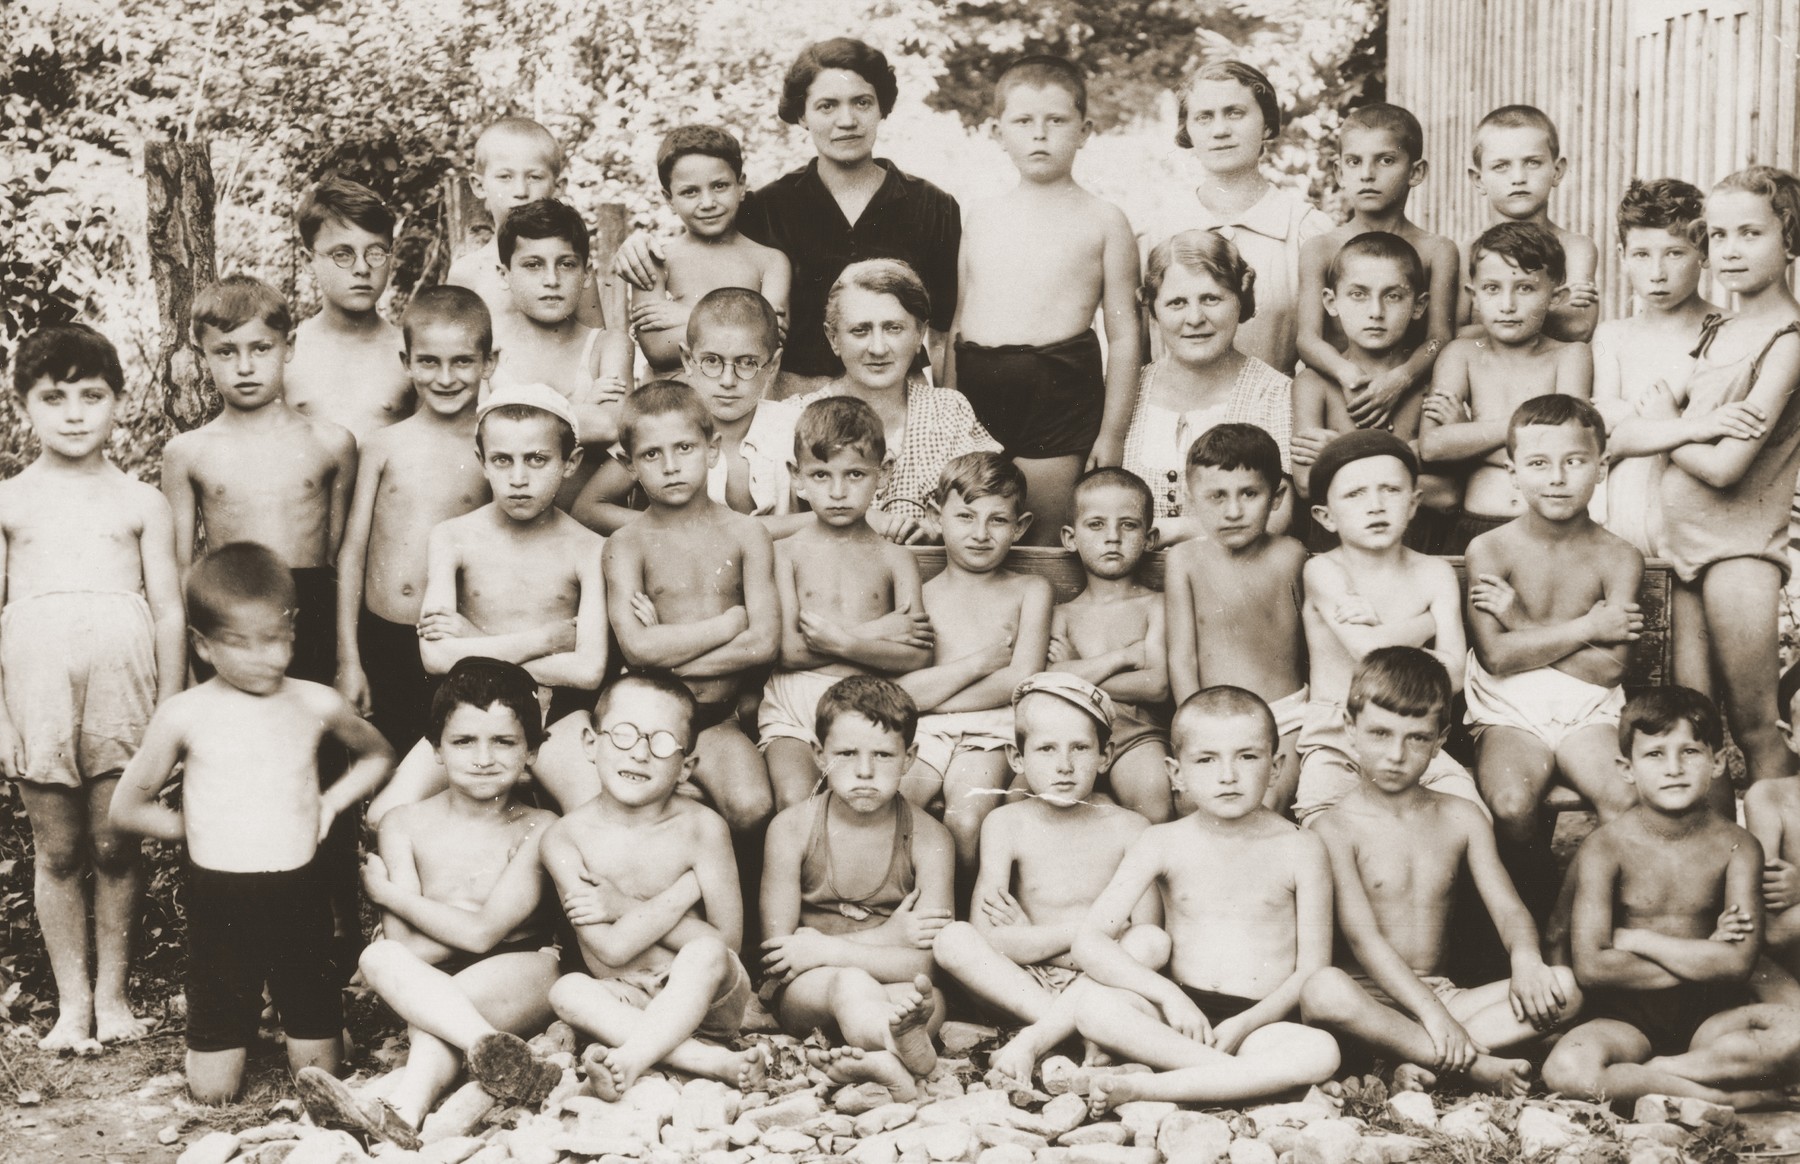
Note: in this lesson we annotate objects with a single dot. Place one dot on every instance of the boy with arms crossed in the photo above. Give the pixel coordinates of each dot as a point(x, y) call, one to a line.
point(850, 601)
point(856, 888)
point(1381, 159)
point(1234, 596)
point(1034, 268)
point(1397, 851)
point(1667, 928)
point(1517, 273)
point(1246, 900)
point(692, 588)
point(1000, 621)
point(1370, 592)
point(259, 908)
point(1517, 163)
point(411, 476)
point(343, 366)
point(1111, 634)
point(1044, 860)
point(91, 641)
point(701, 168)
point(648, 880)
point(1553, 612)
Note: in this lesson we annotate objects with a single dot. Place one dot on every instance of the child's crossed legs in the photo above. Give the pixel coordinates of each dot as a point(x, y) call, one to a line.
point(885, 1028)
point(1744, 1058)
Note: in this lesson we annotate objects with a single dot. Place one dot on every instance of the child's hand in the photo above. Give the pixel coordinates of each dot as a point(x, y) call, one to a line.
point(793, 955)
point(919, 928)
point(1659, 403)
point(1108, 453)
point(605, 390)
point(1582, 295)
point(353, 685)
point(1306, 445)
point(1615, 622)
point(1734, 926)
point(1371, 407)
point(1456, 1051)
point(1002, 909)
point(1060, 650)
point(591, 903)
point(1491, 594)
point(446, 624)
point(1355, 610)
point(376, 882)
point(1740, 421)
point(637, 259)
point(1780, 885)
point(1229, 1035)
point(1536, 995)
point(897, 528)
point(643, 608)
point(823, 635)
point(664, 314)
point(1441, 409)
point(1180, 1013)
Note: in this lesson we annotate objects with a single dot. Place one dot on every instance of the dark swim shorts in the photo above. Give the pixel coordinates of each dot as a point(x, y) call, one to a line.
point(1038, 402)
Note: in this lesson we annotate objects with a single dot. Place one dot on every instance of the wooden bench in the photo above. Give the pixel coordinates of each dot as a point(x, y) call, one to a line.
point(1651, 663)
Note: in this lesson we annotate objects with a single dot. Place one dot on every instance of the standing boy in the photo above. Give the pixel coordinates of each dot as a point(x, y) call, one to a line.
point(1517, 161)
point(701, 168)
point(343, 367)
point(90, 642)
point(999, 623)
point(649, 883)
point(259, 908)
point(411, 476)
point(692, 588)
point(1111, 634)
point(850, 601)
point(1397, 851)
point(1517, 269)
point(1381, 159)
point(1234, 596)
point(1034, 268)
point(1667, 927)
point(1553, 613)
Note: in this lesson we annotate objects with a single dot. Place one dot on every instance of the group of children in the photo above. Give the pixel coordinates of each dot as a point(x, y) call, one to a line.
point(622, 674)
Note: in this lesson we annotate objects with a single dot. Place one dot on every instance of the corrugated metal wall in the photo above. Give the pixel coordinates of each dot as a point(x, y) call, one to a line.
point(1687, 89)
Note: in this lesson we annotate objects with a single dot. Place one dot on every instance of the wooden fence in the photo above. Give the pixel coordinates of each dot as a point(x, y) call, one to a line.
point(1689, 89)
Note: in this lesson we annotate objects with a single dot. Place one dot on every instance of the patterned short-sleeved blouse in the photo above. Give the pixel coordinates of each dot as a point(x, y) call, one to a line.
point(1156, 444)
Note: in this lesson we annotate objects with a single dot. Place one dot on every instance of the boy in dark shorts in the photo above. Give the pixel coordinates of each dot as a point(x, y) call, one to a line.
point(259, 909)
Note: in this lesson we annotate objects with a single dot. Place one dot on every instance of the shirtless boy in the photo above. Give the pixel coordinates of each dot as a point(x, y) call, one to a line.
point(991, 630)
point(691, 587)
point(1381, 160)
point(1234, 596)
point(1368, 593)
point(1111, 634)
point(466, 951)
point(1668, 925)
point(343, 366)
point(701, 168)
point(1035, 266)
point(648, 881)
point(1553, 613)
point(517, 580)
point(1246, 900)
point(1397, 852)
point(1517, 161)
point(1772, 814)
point(1044, 860)
point(411, 476)
point(259, 908)
point(856, 888)
point(90, 642)
point(1517, 273)
point(850, 601)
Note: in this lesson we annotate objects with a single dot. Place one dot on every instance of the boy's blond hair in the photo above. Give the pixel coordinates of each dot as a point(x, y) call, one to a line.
point(520, 129)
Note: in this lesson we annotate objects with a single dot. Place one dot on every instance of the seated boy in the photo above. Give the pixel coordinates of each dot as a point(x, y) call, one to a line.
point(1044, 860)
point(731, 357)
point(1553, 613)
point(648, 880)
point(466, 951)
point(856, 887)
point(1246, 900)
point(517, 580)
point(411, 476)
point(1772, 814)
point(343, 366)
point(1667, 927)
point(1234, 596)
point(1517, 273)
point(691, 587)
point(850, 601)
point(258, 906)
point(1111, 634)
point(90, 641)
point(1370, 592)
point(701, 168)
point(1035, 266)
point(999, 623)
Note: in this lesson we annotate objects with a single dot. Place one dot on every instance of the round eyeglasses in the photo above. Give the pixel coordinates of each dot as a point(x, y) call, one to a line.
point(714, 366)
point(625, 737)
point(345, 257)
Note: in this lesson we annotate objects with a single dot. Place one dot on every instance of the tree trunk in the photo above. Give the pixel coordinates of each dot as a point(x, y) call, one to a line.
point(179, 179)
point(612, 224)
point(465, 218)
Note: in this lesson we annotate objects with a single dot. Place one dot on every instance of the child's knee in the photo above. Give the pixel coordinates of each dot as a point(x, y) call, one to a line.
point(1572, 1070)
point(61, 856)
point(115, 852)
point(705, 956)
point(957, 945)
point(1148, 945)
point(1328, 996)
point(1571, 992)
point(568, 993)
point(380, 957)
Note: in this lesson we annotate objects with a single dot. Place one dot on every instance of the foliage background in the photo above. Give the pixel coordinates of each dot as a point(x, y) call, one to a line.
point(392, 92)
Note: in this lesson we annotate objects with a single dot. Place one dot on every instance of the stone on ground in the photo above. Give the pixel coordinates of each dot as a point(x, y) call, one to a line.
point(1107, 1133)
point(212, 1148)
point(1142, 1117)
point(856, 1098)
point(1327, 1141)
point(958, 1039)
point(458, 1115)
point(1414, 1107)
point(1542, 1131)
point(885, 1118)
point(1191, 1137)
point(327, 1147)
point(1251, 1152)
point(451, 1151)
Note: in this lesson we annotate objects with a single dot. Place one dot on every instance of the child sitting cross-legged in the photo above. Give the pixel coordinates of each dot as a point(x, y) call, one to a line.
point(1044, 859)
point(1246, 901)
point(856, 887)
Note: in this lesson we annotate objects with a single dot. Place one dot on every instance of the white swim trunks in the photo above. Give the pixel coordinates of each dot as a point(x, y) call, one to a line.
point(941, 737)
point(790, 706)
point(1546, 702)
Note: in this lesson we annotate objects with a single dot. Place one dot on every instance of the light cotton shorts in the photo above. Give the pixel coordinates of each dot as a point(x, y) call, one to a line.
point(942, 737)
point(1547, 703)
point(790, 706)
point(724, 1015)
point(1328, 773)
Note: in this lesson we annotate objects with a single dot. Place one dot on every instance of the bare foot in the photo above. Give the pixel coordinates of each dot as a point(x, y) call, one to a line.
point(912, 1042)
point(1505, 1077)
point(855, 1065)
point(1412, 1077)
point(606, 1080)
point(753, 1069)
point(72, 1034)
point(1094, 1055)
point(1109, 1090)
point(1015, 1062)
point(114, 1023)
